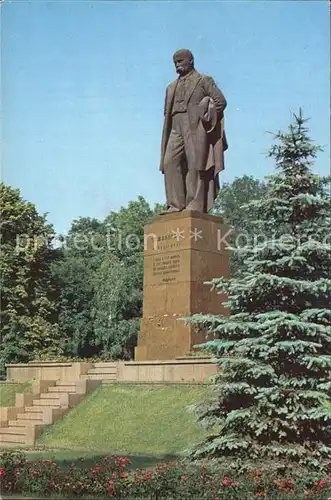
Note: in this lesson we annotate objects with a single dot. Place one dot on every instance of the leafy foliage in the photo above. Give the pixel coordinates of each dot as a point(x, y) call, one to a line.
point(118, 304)
point(90, 289)
point(114, 477)
point(230, 205)
point(28, 293)
point(80, 257)
point(100, 277)
point(274, 349)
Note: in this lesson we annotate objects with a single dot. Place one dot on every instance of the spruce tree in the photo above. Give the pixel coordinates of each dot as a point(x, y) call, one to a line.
point(273, 389)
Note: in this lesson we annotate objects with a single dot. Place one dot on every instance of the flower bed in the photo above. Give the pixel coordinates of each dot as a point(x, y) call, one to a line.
point(111, 479)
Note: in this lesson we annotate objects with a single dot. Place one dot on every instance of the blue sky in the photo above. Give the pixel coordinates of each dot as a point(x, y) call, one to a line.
point(83, 91)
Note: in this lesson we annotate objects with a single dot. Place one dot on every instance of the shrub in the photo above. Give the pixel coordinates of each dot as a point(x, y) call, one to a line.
point(171, 480)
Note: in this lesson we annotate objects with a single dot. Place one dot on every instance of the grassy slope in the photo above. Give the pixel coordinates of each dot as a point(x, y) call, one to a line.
point(8, 391)
point(130, 419)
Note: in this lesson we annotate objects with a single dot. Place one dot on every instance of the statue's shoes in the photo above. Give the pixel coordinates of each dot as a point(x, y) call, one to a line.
point(170, 210)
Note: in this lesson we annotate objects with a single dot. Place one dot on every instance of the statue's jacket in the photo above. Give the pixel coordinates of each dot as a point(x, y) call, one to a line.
point(201, 91)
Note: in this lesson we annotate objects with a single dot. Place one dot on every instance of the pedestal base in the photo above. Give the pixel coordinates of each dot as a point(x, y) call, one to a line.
point(166, 338)
point(182, 251)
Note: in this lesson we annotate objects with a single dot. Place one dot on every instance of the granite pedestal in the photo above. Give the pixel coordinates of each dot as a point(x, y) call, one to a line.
point(182, 251)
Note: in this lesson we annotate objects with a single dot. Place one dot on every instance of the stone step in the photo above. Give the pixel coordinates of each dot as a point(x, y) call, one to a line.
point(104, 364)
point(60, 383)
point(17, 423)
point(50, 395)
point(100, 376)
point(62, 388)
point(9, 444)
point(29, 422)
point(12, 438)
point(33, 409)
point(25, 423)
point(102, 370)
point(30, 416)
point(39, 409)
point(13, 430)
point(46, 402)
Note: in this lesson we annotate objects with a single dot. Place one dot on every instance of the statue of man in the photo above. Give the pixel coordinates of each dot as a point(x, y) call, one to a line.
point(193, 138)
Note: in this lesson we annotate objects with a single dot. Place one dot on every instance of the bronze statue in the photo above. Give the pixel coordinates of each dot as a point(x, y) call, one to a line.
point(193, 138)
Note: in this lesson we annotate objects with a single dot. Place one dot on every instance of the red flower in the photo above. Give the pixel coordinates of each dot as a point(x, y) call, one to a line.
point(225, 481)
point(2, 471)
point(320, 484)
point(111, 484)
point(306, 492)
point(258, 494)
point(124, 474)
point(233, 483)
point(185, 478)
point(124, 461)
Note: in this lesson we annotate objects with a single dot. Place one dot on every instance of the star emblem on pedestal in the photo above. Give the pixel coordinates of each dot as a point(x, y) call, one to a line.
point(178, 234)
point(196, 234)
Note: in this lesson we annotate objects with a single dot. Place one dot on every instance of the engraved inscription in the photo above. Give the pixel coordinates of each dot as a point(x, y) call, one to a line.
point(167, 242)
point(166, 267)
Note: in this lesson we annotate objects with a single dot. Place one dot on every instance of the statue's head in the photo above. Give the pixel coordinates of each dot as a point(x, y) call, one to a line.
point(184, 61)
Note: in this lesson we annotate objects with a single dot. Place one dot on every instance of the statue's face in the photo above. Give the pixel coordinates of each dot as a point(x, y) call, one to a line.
point(183, 64)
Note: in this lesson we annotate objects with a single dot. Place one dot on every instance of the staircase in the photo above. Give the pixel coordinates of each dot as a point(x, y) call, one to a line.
point(34, 411)
point(105, 372)
point(58, 386)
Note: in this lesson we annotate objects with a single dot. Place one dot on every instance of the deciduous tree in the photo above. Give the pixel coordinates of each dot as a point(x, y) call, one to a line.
point(28, 293)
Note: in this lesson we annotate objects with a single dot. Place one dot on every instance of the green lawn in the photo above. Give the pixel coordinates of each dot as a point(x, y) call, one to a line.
point(8, 391)
point(135, 420)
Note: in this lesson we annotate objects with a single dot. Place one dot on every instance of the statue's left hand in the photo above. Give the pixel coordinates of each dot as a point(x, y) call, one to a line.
point(208, 114)
point(203, 109)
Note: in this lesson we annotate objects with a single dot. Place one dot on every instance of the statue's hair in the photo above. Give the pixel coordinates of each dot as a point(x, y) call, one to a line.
point(184, 53)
